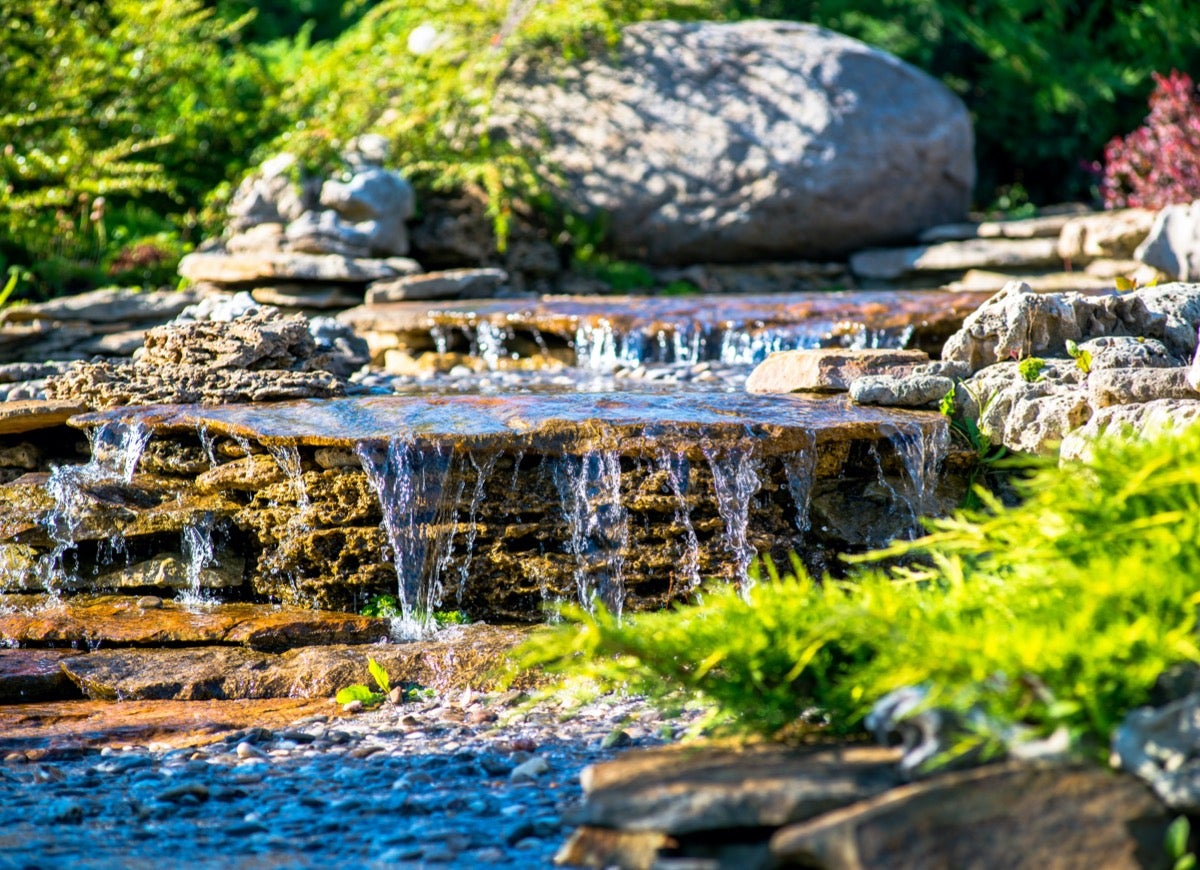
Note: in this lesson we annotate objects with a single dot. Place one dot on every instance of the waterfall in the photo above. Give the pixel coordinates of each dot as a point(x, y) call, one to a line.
point(409, 480)
point(678, 471)
point(735, 482)
point(590, 489)
point(196, 544)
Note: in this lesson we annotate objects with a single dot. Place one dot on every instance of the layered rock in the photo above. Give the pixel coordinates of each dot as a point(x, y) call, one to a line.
point(493, 503)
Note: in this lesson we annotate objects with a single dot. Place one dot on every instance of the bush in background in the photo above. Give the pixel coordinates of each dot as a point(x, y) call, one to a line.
point(1158, 164)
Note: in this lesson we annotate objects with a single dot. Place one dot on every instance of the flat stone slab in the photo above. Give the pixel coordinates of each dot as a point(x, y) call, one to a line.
point(685, 789)
point(106, 306)
point(69, 727)
point(240, 268)
point(887, 264)
point(32, 414)
point(635, 423)
point(817, 314)
point(466, 657)
point(828, 369)
point(998, 816)
point(118, 620)
point(449, 284)
point(34, 674)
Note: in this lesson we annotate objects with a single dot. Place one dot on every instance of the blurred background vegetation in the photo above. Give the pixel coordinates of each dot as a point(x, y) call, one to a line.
point(124, 125)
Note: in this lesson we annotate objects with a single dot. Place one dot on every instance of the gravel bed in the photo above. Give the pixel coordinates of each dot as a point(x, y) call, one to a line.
point(465, 781)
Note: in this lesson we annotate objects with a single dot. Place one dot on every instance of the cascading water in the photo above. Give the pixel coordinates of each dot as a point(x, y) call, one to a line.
point(735, 472)
point(199, 552)
point(116, 449)
point(922, 453)
point(678, 473)
point(409, 480)
point(483, 471)
point(590, 489)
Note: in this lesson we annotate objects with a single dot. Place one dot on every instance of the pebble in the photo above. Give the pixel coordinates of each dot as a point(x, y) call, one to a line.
point(368, 790)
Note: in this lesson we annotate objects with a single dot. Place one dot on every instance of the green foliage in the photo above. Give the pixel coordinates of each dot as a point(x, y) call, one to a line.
point(1083, 358)
point(368, 696)
point(382, 607)
point(107, 104)
point(443, 618)
point(1175, 844)
point(1059, 612)
point(1030, 368)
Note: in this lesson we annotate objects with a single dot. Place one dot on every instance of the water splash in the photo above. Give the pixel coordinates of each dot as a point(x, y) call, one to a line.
point(589, 487)
point(601, 348)
point(116, 449)
point(287, 457)
point(922, 453)
point(491, 343)
point(199, 552)
point(735, 472)
point(678, 473)
point(409, 480)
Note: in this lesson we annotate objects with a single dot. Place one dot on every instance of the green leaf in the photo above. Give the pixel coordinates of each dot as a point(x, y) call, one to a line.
point(359, 693)
point(1072, 349)
point(1031, 368)
point(1084, 361)
point(1185, 862)
point(1176, 840)
point(380, 675)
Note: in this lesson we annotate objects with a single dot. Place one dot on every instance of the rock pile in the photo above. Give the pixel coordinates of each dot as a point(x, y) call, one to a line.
point(1037, 370)
point(315, 244)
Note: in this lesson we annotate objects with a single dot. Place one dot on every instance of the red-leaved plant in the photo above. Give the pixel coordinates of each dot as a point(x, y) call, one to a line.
point(1159, 163)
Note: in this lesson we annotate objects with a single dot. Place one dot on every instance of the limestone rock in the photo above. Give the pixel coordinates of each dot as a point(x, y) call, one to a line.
point(1173, 243)
point(1009, 815)
point(1027, 417)
point(321, 296)
point(744, 141)
point(1041, 282)
point(170, 571)
point(827, 369)
point(678, 790)
point(450, 284)
point(887, 264)
point(260, 356)
point(375, 202)
point(1124, 351)
point(1104, 235)
point(1018, 323)
point(31, 415)
point(1040, 227)
point(107, 306)
point(908, 391)
point(269, 195)
point(1194, 372)
point(1142, 419)
point(1161, 746)
point(324, 232)
point(1127, 386)
point(240, 268)
point(1014, 324)
point(268, 238)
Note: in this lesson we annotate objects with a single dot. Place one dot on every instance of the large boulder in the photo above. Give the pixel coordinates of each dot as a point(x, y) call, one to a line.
point(753, 140)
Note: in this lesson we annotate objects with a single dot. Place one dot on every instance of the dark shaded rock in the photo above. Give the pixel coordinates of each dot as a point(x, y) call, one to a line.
point(1001, 816)
point(34, 675)
point(450, 284)
point(686, 789)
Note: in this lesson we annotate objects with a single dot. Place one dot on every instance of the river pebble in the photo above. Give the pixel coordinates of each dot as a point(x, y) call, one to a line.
point(435, 783)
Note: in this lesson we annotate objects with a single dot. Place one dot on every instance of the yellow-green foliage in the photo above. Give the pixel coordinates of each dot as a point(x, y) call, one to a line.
point(432, 97)
point(1059, 612)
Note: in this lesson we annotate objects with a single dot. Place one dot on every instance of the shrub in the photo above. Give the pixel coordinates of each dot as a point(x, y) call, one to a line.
point(1159, 163)
point(1061, 611)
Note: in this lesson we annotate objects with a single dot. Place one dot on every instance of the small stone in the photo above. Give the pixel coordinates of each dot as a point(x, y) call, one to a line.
point(355, 706)
point(396, 696)
point(616, 739)
point(150, 602)
point(193, 790)
point(530, 770)
point(914, 391)
point(249, 750)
